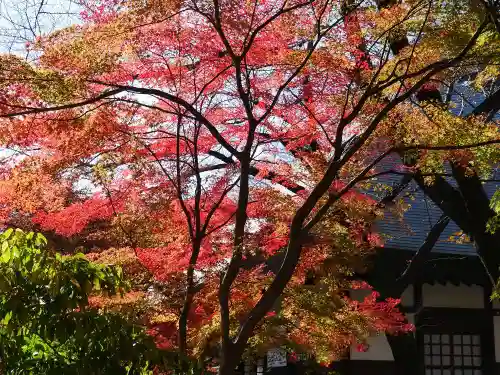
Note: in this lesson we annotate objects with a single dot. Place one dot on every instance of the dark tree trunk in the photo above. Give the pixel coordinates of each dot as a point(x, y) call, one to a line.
point(405, 352)
point(469, 209)
point(404, 347)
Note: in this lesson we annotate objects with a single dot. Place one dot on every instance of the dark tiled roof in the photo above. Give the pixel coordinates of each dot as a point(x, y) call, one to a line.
point(439, 268)
point(423, 214)
point(419, 219)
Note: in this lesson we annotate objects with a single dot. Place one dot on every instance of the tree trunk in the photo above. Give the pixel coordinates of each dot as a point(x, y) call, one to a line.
point(469, 209)
point(404, 347)
point(226, 368)
point(230, 359)
point(406, 357)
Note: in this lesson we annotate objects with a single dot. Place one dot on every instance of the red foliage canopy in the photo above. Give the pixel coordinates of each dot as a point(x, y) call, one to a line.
point(228, 147)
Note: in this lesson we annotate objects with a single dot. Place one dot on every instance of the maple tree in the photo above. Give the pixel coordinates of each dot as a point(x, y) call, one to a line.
point(200, 143)
point(457, 190)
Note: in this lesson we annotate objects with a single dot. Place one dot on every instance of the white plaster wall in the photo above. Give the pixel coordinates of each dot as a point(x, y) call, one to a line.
point(378, 347)
point(496, 332)
point(450, 295)
point(359, 294)
point(378, 350)
point(410, 318)
point(495, 304)
point(406, 297)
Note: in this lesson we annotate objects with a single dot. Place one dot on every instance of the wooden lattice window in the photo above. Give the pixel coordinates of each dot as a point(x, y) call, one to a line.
point(452, 354)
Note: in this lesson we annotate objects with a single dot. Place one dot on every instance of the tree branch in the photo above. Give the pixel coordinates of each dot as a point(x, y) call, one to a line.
point(175, 99)
point(30, 111)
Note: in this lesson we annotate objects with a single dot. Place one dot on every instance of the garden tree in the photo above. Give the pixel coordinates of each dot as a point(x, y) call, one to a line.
point(195, 137)
point(48, 325)
point(466, 203)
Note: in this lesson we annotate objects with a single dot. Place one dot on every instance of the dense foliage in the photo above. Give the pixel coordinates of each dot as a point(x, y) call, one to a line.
point(222, 153)
point(48, 326)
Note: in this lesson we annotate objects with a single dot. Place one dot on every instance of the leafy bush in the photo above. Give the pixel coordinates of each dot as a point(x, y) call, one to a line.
point(46, 323)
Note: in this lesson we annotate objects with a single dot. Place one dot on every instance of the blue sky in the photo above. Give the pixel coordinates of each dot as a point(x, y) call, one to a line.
point(23, 20)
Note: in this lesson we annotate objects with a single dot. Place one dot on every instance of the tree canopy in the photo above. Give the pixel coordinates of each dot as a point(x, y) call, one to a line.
point(226, 154)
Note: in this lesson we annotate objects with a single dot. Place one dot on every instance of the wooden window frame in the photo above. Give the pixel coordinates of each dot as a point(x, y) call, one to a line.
point(453, 321)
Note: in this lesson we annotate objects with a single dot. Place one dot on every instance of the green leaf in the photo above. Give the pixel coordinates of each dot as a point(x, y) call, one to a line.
point(6, 256)
point(5, 246)
point(8, 233)
point(97, 283)
point(40, 240)
point(7, 317)
point(43, 334)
